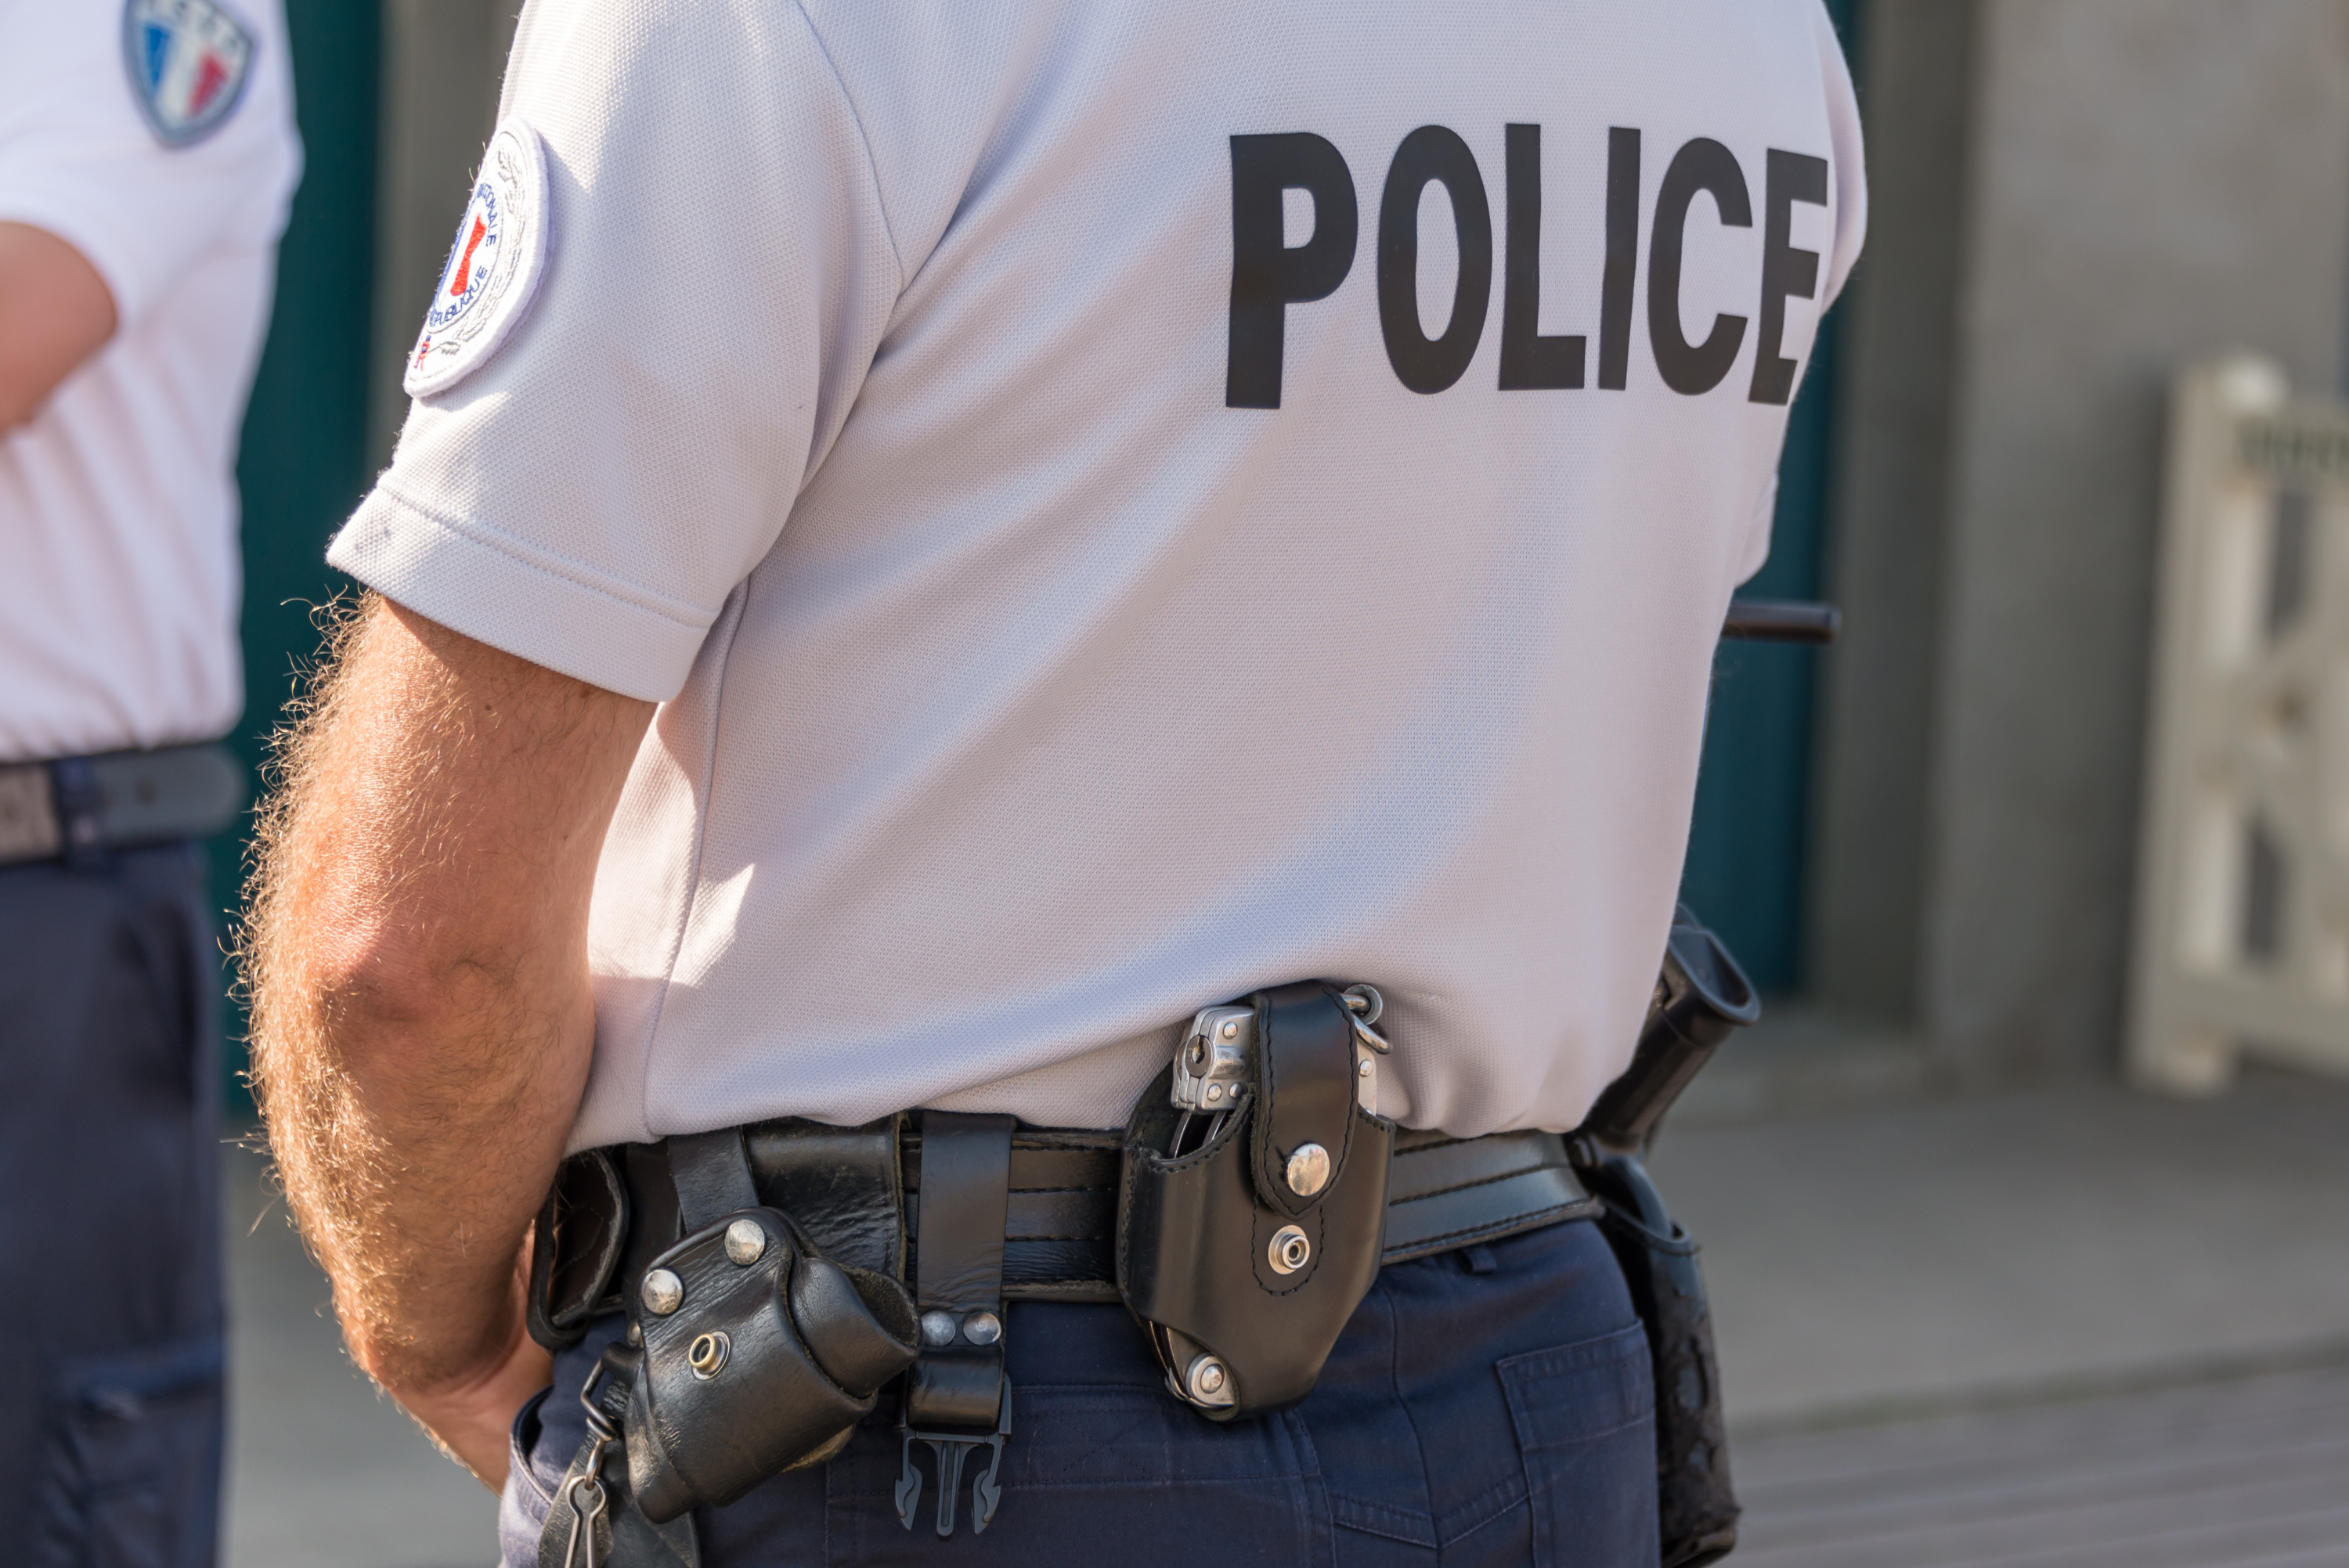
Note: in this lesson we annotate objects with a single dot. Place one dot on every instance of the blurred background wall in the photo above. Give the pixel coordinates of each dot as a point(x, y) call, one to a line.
point(1921, 840)
point(2073, 197)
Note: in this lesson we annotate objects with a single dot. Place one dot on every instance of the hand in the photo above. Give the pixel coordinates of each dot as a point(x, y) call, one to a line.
point(471, 1420)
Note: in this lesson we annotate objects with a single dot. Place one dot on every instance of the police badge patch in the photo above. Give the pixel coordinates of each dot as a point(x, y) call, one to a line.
point(188, 61)
point(492, 268)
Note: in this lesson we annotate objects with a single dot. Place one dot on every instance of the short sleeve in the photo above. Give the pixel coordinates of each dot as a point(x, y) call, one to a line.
point(145, 142)
point(718, 272)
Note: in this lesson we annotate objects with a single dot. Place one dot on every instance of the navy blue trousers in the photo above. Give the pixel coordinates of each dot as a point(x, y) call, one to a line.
point(109, 1215)
point(1484, 1407)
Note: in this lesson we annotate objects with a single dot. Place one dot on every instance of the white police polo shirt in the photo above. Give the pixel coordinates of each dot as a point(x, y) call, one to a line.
point(1124, 504)
point(157, 138)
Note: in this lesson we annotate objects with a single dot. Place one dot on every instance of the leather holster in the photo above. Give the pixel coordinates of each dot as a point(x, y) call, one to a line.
point(1208, 1255)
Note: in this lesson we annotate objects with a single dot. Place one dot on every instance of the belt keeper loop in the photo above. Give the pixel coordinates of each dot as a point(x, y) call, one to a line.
point(957, 1398)
point(73, 786)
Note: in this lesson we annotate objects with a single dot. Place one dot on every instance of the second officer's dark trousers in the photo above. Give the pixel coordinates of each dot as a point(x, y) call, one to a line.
point(1487, 1406)
point(109, 1215)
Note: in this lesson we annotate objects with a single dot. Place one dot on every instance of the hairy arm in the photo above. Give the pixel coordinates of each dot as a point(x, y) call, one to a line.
point(416, 951)
point(54, 313)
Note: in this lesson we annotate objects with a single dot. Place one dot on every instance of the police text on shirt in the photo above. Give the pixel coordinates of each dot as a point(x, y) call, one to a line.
point(1270, 276)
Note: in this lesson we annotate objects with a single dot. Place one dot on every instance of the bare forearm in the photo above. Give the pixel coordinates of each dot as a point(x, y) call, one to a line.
point(417, 954)
point(54, 313)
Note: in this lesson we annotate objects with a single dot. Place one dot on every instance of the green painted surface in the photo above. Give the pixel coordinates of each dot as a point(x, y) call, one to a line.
point(303, 465)
point(1746, 853)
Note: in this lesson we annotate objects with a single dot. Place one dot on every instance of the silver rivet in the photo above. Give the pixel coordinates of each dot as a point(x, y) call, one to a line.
point(1364, 1070)
point(1231, 1028)
point(707, 1354)
point(1207, 1382)
point(1289, 1250)
point(982, 1328)
point(1215, 1091)
point(663, 1292)
point(746, 1242)
point(937, 1328)
point(1309, 1170)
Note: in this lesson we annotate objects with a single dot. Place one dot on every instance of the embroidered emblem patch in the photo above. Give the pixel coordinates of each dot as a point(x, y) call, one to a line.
point(494, 267)
point(188, 60)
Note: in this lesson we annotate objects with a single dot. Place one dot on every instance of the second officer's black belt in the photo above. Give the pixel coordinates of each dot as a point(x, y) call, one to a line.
point(857, 1190)
point(76, 808)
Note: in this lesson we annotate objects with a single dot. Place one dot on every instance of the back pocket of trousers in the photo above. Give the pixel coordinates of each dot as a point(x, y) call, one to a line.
point(130, 1459)
point(1585, 1417)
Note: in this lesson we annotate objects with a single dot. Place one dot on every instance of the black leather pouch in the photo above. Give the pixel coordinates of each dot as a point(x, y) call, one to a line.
point(761, 1355)
point(1244, 1257)
point(575, 1253)
point(1697, 1507)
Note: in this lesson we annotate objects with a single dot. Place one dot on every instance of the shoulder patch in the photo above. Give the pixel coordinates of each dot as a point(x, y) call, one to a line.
point(189, 61)
point(494, 267)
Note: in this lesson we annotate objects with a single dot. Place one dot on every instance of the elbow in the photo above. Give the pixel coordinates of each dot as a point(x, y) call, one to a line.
point(352, 987)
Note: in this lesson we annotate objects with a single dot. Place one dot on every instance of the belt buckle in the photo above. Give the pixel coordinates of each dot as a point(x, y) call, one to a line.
point(950, 1451)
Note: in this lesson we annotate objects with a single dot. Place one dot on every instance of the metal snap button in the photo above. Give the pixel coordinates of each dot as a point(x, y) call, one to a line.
point(746, 1242)
point(982, 1328)
point(1309, 1170)
point(707, 1354)
point(1208, 1382)
point(1289, 1250)
point(663, 1292)
point(937, 1327)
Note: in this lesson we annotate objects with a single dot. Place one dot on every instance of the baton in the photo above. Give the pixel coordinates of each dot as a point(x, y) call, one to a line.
point(1702, 998)
point(1782, 621)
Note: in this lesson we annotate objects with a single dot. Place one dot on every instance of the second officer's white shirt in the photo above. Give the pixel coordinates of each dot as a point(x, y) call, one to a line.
point(889, 393)
point(157, 138)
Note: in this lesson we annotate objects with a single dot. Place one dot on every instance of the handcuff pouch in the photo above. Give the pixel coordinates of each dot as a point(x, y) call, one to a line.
point(1697, 1507)
point(1239, 1315)
point(765, 1363)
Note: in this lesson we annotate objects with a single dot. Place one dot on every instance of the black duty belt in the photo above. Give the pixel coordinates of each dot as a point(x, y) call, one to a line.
point(779, 1276)
point(76, 806)
point(857, 1193)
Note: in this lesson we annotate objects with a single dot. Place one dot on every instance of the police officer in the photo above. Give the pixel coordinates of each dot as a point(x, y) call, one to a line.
point(147, 156)
point(933, 544)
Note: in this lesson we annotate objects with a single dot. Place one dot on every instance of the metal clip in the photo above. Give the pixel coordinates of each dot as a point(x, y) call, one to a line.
point(948, 1452)
point(1212, 1063)
point(1365, 1004)
point(583, 1490)
point(584, 1496)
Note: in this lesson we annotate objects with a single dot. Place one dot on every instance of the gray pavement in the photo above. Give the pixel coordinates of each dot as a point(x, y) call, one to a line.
point(1907, 1258)
point(2238, 1472)
point(2073, 1327)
